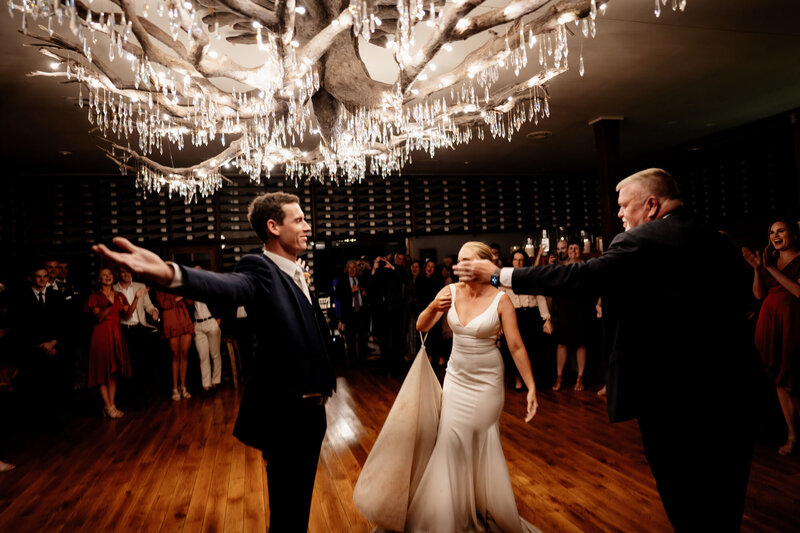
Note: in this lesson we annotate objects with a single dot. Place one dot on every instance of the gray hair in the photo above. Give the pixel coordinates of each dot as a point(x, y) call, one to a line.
point(653, 181)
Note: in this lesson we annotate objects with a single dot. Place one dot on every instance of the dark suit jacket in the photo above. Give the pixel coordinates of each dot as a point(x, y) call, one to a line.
point(293, 341)
point(675, 296)
point(344, 295)
point(32, 324)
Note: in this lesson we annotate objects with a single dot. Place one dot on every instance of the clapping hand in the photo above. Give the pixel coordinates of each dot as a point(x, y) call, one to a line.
point(138, 260)
point(533, 405)
point(770, 257)
point(753, 259)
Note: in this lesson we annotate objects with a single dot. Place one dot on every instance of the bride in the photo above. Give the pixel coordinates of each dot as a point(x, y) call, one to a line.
point(465, 485)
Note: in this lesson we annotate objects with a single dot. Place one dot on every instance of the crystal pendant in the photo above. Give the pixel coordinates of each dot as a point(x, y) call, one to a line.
point(658, 8)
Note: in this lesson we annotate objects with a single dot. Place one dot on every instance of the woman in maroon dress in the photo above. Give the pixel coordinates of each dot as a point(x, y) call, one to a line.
point(178, 329)
point(108, 354)
point(776, 280)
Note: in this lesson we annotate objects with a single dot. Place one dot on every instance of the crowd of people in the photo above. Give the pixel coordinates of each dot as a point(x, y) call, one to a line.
point(379, 299)
point(117, 338)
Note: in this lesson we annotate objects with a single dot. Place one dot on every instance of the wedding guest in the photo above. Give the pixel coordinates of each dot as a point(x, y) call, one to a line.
point(572, 324)
point(207, 339)
point(140, 335)
point(533, 319)
point(37, 331)
point(776, 281)
point(108, 354)
point(386, 304)
point(177, 329)
point(352, 295)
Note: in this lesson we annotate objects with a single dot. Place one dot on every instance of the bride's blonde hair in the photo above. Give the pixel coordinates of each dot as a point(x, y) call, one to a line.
point(481, 249)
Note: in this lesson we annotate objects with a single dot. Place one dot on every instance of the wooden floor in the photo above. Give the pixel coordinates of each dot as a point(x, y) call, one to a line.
point(176, 467)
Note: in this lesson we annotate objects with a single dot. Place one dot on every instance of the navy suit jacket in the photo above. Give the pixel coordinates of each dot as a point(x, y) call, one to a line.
point(675, 296)
point(292, 356)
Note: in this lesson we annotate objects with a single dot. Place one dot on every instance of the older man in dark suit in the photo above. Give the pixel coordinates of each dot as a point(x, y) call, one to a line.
point(282, 412)
point(674, 304)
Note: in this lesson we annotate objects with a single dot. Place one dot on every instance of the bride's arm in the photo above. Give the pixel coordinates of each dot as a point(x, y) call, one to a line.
point(508, 317)
point(431, 314)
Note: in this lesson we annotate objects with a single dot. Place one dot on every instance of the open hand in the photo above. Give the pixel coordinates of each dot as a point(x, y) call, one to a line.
point(480, 270)
point(753, 259)
point(533, 406)
point(139, 260)
point(770, 257)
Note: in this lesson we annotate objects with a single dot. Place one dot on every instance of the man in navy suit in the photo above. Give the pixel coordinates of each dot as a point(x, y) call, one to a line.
point(283, 409)
point(675, 296)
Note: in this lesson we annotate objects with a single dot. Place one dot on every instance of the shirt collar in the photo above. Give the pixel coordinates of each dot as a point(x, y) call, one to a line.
point(287, 265)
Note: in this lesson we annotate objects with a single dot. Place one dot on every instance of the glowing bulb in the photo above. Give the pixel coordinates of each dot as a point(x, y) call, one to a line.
point(213, 54)
point(432, 66)
point(300, 10)
point(462, 24)
point(54, 65)
point(448, 47)
point(257, 25)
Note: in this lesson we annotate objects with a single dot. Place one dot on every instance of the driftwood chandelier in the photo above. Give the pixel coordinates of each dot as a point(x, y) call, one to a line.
point(281, 83)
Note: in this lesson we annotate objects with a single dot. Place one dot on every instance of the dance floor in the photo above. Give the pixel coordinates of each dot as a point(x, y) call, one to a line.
point(175, 466)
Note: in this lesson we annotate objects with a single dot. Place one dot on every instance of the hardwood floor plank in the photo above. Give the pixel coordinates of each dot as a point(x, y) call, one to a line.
point(255, 513)
point(175, 466)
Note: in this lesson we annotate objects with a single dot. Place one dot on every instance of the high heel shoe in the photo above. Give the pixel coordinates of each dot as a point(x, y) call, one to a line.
point(790, 448)
point(112, 412)
point(185, 393)
point(579, 384)
point(176, 396)
point(557, 386)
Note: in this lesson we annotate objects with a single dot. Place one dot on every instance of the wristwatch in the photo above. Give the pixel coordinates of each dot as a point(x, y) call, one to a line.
point(495, 280)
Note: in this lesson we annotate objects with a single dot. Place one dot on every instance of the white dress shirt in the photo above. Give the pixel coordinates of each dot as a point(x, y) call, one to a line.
point(130, 294)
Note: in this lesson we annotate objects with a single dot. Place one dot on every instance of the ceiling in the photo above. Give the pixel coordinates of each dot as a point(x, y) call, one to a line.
point(674, 79)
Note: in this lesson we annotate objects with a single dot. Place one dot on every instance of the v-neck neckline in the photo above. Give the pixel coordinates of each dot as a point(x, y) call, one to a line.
point(476, 316)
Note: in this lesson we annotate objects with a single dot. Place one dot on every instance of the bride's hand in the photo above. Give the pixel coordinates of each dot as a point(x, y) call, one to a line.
point(443, 300)
point(533, 406)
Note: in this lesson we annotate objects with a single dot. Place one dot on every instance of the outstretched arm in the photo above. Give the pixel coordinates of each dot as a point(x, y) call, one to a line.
point(138, 260)
point(508, 317)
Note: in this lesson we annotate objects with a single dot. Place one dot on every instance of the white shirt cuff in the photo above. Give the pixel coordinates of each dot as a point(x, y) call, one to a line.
point(177, 278)
point(505, 276)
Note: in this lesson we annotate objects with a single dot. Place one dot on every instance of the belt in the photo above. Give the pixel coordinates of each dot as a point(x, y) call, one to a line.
point(313, 399)
point(203, 319)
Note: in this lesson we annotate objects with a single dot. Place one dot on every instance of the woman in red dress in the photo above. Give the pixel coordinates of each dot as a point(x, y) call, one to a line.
point(776, 280)
point(108, 354)
point(178, 329)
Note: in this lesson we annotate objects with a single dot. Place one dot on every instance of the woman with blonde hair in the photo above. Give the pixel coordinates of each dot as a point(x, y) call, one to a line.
point(465, 485)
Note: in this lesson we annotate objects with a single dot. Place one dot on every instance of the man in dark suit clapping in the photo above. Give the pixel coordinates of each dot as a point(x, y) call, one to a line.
point(675, 296)
point(282, 412)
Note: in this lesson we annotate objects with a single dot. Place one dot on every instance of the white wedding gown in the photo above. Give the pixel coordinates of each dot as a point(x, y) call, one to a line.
point(466, 485)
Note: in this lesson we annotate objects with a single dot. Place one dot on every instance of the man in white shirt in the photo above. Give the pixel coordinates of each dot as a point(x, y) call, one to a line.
point(140, 336)
point(207, 337)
